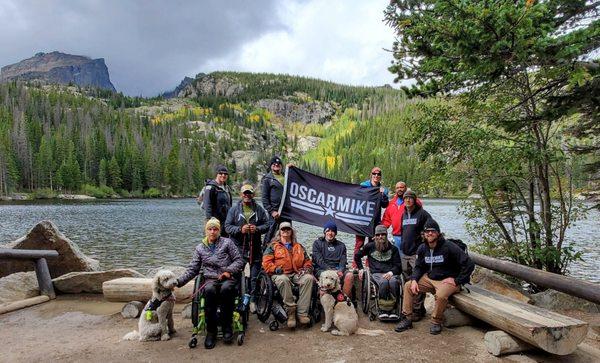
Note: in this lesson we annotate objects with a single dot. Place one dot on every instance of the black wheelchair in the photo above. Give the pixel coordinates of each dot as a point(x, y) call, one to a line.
point(240, 313)
point(269, 302)
point(370, 297)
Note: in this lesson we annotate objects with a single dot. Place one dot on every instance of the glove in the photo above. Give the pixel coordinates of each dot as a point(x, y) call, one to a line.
point(225, 276)
point(278, 271)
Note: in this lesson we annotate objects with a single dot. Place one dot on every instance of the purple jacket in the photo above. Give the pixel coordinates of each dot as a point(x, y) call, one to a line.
point(224, 258)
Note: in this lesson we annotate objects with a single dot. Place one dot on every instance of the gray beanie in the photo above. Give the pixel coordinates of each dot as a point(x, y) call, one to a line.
point(381, 229)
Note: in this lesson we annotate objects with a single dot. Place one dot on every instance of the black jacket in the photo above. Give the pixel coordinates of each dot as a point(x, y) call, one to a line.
point(217, 201)
point(249, 243)
point(272, 191)
point(380, 262)
point(412, 226)
point(445, 260)
point(329, 255)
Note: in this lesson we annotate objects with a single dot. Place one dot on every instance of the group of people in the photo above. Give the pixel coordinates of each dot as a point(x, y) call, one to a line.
point(250, 233)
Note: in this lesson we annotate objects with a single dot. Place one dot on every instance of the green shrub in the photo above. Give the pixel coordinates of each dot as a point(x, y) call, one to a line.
point(152, 193)
point(97, 192)
point(44, 193)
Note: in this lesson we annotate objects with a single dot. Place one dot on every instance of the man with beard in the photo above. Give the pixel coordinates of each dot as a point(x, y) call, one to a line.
point(385, 265)
point(441, 268)
point(413, 222)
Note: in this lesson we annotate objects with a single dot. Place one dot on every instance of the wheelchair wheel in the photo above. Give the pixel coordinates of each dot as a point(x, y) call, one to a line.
point(240, 339)
point(263, 296)
point(193, 342)
point(315, 306)
point(196, 302)
point(274, 325)
point(365, 292)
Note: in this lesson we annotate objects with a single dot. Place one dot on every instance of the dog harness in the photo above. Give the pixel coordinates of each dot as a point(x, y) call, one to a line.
point(154, 304)
point(339, 297)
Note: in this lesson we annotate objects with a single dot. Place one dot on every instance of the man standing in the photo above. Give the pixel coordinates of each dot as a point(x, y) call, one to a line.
point(245, 223)
point(413, 223)
point(272, 191)
point(374, 181)
point(394, 212)
point(441, 268)
point(329, 253)
point(217, 197)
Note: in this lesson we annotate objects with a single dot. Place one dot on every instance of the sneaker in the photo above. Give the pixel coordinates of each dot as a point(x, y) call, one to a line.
point(383, 316)
point(403, 325)
point(394, 316)
point(252, 307)
point(435, 329)
point(303, 319)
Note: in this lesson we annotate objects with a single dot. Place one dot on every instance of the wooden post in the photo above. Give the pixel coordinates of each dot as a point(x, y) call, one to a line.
point(498, 343)
point(569, 285)
point(43, 277)
point(16, 305)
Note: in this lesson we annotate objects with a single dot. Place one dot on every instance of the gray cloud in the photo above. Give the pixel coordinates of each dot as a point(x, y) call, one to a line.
point(148, 46)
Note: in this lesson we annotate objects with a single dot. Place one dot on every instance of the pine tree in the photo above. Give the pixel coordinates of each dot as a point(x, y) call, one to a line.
point(114, 174)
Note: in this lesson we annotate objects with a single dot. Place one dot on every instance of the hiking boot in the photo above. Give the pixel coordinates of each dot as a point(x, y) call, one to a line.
point(435, 329)
point(303, 319)
point(210, 340)
point(227, 335)
point(403, 325)
point(291, 314)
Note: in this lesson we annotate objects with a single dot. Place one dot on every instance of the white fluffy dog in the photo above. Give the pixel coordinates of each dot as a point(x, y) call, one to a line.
point(341, 313)
point(156, 320)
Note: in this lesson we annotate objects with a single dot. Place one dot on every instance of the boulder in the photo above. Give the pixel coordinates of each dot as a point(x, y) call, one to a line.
point(177, 270)
point(493, 282)
point(45, 236)
point(18, 286)
point(307, 143)
point(186, 313)
point(89, 282)
point(555, 300)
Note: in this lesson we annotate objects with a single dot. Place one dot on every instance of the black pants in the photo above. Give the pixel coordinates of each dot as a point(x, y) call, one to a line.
point(219, 293)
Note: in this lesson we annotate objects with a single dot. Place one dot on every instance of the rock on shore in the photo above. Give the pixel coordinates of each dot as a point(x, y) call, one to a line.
point(18, 286)
point(90, 282)
point(45, 236)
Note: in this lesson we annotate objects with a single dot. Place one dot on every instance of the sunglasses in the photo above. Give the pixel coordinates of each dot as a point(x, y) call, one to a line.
point(378, 174)
point(430, 231)
point(286, 229)
point(223, 173)
point(247, 192)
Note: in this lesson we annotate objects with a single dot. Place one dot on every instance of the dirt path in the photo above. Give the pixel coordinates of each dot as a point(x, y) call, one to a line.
point(86, 328)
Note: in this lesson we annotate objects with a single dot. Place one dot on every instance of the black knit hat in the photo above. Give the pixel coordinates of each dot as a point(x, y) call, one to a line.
point(276, 160)
point(431, 224)
point(221, 169)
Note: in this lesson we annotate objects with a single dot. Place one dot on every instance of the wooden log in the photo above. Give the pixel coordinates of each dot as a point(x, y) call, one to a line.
point(43, 277)
point(27, 254)
point(132, 309)
point(498, 343)
point(569, 285)
point(545, 329)
point(127, 289)
point(8, 307)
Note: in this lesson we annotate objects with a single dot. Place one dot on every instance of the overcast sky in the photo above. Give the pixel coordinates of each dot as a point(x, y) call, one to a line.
point(149, 46)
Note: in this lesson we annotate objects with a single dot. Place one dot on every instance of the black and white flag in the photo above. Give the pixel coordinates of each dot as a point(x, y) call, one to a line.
point(315, 200)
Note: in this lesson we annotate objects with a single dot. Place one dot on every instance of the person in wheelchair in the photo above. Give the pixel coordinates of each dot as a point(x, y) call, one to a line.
point(385, 266)
point(221, 261)
point(287, 263)
point(329, 253)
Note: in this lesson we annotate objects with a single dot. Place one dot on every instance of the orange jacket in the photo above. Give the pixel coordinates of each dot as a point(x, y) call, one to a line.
point(277, 255)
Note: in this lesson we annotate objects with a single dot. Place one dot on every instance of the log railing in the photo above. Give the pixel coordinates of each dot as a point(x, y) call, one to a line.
point(41, 266)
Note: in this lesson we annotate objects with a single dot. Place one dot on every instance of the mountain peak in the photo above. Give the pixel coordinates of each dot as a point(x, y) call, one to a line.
point(61, 68)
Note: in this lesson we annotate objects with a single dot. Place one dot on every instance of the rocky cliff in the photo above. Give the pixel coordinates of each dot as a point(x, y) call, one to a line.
point(56, 67)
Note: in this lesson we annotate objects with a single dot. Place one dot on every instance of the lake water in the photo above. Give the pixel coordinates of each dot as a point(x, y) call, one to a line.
point(145, 233)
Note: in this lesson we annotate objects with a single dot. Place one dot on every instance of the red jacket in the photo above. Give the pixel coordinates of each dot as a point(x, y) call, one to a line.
point(393, 215)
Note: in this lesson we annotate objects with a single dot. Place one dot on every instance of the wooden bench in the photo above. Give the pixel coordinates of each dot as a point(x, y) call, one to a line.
point(542, 328)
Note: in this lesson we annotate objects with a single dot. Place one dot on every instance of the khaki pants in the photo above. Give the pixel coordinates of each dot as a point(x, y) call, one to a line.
point(408, 265)
point(284, 285)
point(441, 291)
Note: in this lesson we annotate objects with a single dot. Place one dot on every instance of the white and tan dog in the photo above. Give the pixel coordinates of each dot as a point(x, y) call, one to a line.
point(156, 320)
point(342, 314)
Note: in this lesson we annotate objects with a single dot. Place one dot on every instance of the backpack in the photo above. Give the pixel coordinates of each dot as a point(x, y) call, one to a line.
point(200, 199)
point(463, 246)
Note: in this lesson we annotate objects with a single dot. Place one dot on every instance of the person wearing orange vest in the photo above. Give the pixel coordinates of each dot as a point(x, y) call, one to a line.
point(287, 262)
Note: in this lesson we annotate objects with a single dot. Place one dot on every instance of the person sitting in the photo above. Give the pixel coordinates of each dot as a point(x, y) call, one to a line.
point(221, 261)
point(287, 262)
point(441, 268)
point(385, 265)
point(329, 253)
